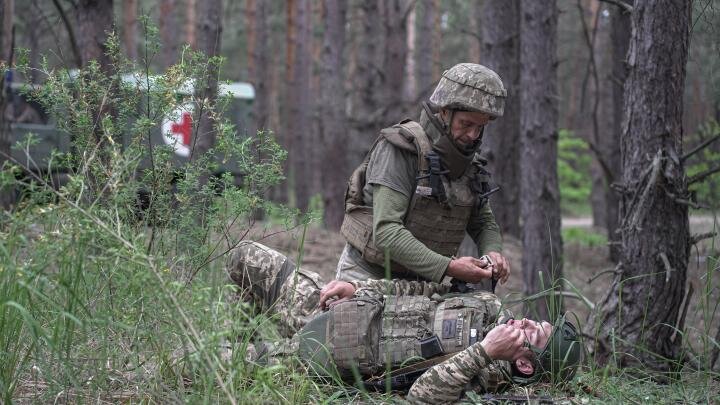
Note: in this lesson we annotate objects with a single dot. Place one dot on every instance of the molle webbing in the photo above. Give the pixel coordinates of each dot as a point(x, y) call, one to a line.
point(406, 320)
point(444, 240)
point(353, 333)
point(363, 335)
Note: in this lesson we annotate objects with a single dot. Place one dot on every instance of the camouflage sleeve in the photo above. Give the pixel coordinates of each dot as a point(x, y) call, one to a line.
point(446, 382)
point(378, 288)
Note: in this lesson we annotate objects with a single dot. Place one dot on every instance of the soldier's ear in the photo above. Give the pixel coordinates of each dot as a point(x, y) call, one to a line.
point(524, 366)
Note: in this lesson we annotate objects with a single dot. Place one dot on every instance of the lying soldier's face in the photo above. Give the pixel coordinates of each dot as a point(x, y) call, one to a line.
point(536, 333)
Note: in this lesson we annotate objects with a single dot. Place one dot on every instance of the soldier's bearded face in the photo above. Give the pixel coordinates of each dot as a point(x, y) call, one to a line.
point(466, 126)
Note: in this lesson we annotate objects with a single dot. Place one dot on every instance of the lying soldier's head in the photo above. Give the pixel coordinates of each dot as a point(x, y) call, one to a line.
point(536, 350)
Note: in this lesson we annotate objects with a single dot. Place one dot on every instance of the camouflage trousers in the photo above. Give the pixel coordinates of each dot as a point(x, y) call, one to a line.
point(269, 280)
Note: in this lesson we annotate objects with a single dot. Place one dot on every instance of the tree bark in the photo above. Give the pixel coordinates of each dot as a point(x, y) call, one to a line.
point(332, 113)
point(258, 63)
point(425, 48)
point(638, 319)
point(500, 22)
point(94, 20)
point(297, 118)
point(540, 196)
point(191, 23)
point(395, 51)
point(620, 31)
point(168, 25)
point(410, 89)
point(364, 98)
point(208, 31)
point(130, 22)
point(7, 7)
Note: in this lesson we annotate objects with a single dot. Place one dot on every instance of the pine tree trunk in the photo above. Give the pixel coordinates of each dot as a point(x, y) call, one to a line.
point(297, 118)
point(395, 50)
point(501, 45)
point(410, 89)
point(258, 63)
point(638, 319)
point(7, 197)
point(540, 196)
point(94, 19)
point(191, 23)
point(209, 32)
point(620, 31)
point(425, 44)
point(168, 26)
point(366, 81)
point(332, 113)
point(130, 22)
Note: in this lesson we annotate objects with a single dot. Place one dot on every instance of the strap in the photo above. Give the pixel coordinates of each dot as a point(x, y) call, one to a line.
point(423, 144)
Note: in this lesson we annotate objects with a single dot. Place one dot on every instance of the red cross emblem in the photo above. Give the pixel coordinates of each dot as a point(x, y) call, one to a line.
point(184, 128)
point(177, 129)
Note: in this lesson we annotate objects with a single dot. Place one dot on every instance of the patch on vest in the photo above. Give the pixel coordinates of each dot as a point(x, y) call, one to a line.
point(449, 328)
point(422, 190)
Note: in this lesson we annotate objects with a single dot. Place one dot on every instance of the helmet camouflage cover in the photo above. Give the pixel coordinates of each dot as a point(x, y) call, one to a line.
point(470, 87)
point(562, 353)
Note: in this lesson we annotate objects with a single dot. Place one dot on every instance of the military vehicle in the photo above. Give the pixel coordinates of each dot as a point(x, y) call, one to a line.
point(26, 116)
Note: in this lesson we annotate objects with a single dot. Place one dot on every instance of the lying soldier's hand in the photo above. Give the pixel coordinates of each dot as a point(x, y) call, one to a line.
point(469, 269)
point(335, 292)
point(504, 342)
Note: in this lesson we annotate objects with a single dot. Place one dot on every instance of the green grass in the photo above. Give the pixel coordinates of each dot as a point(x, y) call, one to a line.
point(583, 236)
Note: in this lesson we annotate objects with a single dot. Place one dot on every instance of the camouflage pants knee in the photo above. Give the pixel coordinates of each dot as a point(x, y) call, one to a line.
point(269, 280)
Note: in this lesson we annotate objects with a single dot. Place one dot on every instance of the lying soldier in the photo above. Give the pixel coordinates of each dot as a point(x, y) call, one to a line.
point(438, 344)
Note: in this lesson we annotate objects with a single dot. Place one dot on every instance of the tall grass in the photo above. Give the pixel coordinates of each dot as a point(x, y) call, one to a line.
point(100, 301)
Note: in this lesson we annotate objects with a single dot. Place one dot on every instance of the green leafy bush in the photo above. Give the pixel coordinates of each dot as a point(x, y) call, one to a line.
point(103, 300)
point(573, 173)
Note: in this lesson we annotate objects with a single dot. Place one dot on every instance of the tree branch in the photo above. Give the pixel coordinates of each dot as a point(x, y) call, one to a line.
point(702, 236)
point(701, 176)
point(626, 8)
point(700, 147)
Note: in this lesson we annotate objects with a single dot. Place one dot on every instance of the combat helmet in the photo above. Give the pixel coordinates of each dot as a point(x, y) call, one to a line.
point(470, 87)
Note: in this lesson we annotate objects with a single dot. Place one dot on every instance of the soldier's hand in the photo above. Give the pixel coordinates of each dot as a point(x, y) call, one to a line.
point(504, 342)
point(335, 292)
point(469, 269)
point(502, 267)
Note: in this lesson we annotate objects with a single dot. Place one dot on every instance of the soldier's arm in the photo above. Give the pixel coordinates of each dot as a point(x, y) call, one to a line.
point(446, 382)
point(389, 208)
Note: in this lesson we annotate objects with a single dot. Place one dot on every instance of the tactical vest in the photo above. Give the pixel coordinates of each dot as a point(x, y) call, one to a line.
point(439, 225)
point(364, 336)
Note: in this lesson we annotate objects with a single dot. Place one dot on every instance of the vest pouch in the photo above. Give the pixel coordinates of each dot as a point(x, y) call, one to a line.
point(354, 191)
point(358, 232)
point(407, 320)
point(353, 335)
point(459, 322)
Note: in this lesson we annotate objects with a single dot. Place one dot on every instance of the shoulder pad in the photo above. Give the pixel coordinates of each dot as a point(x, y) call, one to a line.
point(397, 138)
